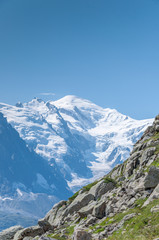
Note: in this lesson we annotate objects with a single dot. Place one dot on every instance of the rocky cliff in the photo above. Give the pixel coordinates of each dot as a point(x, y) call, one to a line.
point(124, 204)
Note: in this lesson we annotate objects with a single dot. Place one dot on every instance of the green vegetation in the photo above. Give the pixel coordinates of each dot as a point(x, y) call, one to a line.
point(73, 197)
point(155, 163)
point(85, 189)
point(99, 230)
point(157, 149)
point(156, 136)
point(144, 226)
point(140, 202)
point(56, 236)
point(70, 230)
point(108, 180)
point(89, 186)
point(139, 227)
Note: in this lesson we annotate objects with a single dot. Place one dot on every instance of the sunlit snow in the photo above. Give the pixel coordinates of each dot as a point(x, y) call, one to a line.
point(84, 139)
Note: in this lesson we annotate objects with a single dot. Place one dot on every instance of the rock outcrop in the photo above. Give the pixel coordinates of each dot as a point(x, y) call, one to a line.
point(112, 207)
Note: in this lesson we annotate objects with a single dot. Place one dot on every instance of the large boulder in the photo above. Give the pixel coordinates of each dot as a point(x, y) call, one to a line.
point(109, 209)
point(99, 209)
point(9, 233)
point(101, 188)
point(54, 216)
point(81, 234)
point(152, 179)
point(146, 156)
point(132, 163)
point(154, 195)
point(85, 211)
point(45, 225)
point(79, 202)
point(28, 232)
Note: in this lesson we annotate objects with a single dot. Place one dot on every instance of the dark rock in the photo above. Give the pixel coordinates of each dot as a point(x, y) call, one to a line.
point(152, 179)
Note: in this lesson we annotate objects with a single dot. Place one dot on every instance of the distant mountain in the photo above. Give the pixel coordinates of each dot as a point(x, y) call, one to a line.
point(121, 205)
point(83, 140)
point(28, 185)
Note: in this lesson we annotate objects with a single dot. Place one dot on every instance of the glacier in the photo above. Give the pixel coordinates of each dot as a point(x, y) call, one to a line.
point(84, 140)
point(28, 185)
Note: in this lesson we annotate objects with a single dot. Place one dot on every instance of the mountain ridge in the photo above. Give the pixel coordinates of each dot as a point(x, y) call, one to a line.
point(26, 180)
point(124, 204)
point(75, 132)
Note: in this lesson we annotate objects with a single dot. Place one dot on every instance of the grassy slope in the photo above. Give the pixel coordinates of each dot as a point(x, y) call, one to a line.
point(144, 226)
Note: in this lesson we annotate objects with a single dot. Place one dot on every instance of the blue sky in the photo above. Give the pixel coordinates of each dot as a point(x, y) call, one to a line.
point(106, 51)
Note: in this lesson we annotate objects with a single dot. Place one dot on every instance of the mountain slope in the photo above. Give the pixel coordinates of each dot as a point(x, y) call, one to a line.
point(123, 204)
point(26, 179)
point(84, 140)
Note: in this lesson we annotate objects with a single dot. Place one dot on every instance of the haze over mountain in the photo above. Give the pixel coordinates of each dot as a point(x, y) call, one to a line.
point(83, 139)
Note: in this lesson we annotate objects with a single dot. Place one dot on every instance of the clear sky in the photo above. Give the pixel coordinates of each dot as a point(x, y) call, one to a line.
point(106, 51)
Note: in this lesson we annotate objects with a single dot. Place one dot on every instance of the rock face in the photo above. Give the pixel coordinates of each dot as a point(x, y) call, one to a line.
point(152, 179)
point(9, 233)
point(81, 234)
point(100, 209)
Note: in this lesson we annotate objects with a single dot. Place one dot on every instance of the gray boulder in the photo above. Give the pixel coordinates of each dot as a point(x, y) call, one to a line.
point(147, 155)
point(101, 188)
point(54, 216)
point(9, 233)
point(45, 225)
point(132, 163)
point(154, 195)
point(81, 234)
point(99, 209)
point(85, 211)
point(28, 232)
point(155, 208)
point(90, 220)
point(80, 201)
point(109, 209)
point(152, 179)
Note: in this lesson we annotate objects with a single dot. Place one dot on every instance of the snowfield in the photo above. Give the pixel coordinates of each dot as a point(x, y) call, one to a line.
point(84, 139)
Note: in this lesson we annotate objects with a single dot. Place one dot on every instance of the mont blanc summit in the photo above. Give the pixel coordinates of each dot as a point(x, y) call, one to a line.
point(83, 139)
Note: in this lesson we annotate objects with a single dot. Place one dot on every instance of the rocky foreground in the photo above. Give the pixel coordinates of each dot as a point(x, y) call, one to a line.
point(124, 204)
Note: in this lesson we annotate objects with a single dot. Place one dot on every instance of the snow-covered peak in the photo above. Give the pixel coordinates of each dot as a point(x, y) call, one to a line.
point(71, 101)
point(36, 104)
point(84, 139)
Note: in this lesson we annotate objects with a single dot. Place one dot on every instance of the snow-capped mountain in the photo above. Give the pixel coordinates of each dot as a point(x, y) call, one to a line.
point(83, 139)
point(28, 185)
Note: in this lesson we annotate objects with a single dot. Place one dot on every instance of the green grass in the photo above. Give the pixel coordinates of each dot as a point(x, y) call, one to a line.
point(73, 197)
point(144, 226)
point(157, 149)
point(156, 136)
point(89, 186)
point(99, 230)
point(108, 180)
point(140, 202)
point(155, 163)
point(70, 230)
point(56, 236)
